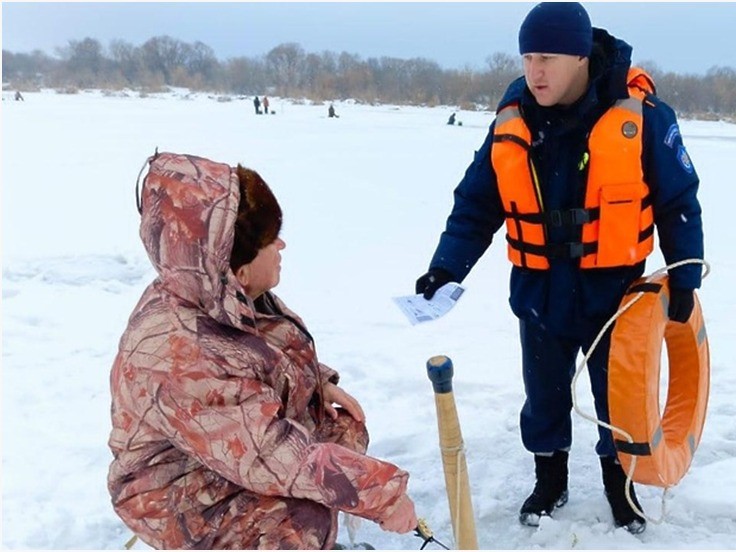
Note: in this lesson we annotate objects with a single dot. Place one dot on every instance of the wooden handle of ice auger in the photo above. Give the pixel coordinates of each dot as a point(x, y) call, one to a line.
point(439, 370)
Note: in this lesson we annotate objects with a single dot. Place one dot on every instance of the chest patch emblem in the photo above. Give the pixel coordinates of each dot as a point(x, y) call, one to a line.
point(629, 129)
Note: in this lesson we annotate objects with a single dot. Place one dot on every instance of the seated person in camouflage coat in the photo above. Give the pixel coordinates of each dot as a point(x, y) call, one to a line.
point(228, 433)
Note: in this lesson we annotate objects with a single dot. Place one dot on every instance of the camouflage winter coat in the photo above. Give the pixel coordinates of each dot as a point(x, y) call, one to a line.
point(217, 436)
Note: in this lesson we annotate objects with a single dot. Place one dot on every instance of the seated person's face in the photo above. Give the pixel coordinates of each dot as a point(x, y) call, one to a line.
point(264, 272)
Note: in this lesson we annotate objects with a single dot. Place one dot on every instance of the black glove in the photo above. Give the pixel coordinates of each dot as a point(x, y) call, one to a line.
point(682, 302)
point(433, 280)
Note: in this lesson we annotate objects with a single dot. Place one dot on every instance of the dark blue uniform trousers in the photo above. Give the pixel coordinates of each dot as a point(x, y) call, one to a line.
point(549, 363)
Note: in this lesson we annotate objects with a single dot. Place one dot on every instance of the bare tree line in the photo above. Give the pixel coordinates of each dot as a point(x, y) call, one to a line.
point(288, 71)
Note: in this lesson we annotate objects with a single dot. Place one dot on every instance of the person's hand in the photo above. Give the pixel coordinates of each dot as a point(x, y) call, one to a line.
point(682, 302)
point(332, 394)
point(429, 283)
point(400, 517)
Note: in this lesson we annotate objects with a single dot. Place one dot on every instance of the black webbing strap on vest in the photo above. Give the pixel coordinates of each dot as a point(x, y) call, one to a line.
point(557, 218)
point(568, 217)
point(644, 234)
point(567, 250)
point(511, 138)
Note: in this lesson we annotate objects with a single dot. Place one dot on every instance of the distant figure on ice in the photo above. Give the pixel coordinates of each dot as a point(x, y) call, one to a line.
point(451, 120)
point(265, 104)
point(19, 96)
point(331, 112)
point(257, 105)
point(227, 430)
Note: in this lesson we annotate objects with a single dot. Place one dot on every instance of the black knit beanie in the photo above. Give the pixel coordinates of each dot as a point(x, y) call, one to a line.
point(556, 28)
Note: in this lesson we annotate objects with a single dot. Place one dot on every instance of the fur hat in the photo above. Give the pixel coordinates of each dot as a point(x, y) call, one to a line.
point(259, 218)
point(556, 28)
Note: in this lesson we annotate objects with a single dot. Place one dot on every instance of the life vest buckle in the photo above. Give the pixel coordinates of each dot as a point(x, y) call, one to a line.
point(570, 217)
point(555, 218)
point(579, 216)
point(575, 250)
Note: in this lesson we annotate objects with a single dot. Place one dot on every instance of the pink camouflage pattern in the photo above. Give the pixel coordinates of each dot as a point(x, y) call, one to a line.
point(218, 431)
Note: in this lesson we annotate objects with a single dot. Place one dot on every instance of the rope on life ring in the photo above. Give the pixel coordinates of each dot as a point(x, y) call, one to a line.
point(656, 449)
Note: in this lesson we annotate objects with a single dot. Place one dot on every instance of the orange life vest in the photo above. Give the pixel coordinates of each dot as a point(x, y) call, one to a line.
point(617, 219)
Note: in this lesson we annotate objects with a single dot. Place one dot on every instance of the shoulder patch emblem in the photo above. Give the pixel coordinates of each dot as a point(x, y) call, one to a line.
point(672, 133)
point(684, 159)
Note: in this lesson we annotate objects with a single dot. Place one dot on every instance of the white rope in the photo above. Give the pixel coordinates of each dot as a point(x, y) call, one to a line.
point(618, 430)
point(353, 524)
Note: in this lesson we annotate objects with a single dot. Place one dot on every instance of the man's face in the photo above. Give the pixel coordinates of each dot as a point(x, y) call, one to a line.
point(556, 79)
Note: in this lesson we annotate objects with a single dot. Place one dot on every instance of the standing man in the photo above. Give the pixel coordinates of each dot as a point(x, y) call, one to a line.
point(265, 104)
point(257, 105)
point(581, 162)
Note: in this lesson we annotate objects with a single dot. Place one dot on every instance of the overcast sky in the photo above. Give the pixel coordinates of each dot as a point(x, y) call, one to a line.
point(685, 37)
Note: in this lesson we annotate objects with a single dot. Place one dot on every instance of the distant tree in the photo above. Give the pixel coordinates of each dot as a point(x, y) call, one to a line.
point(163, 54)
point(722, 82)
point(244, 75)
point(201, 61)
point(391, 82)
point(502, 70)
point(34, 69)
point(86, 54)
point(354, 78)
point(424, 81)
point(313, 71)
point(127, 60)
point(461, 87)
point(284, 63)
point(85, 62)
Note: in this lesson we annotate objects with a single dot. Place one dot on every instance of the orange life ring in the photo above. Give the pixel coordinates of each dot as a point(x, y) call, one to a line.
point(663, 444)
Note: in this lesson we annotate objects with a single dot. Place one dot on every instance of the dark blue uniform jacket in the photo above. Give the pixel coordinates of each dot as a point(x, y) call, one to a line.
point(566, 298)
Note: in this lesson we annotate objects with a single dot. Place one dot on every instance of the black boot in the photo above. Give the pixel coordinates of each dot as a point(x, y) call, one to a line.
point(550, 490)
point(614, 482)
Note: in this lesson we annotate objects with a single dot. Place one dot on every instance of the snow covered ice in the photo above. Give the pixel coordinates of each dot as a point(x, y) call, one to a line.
point(365, 198)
